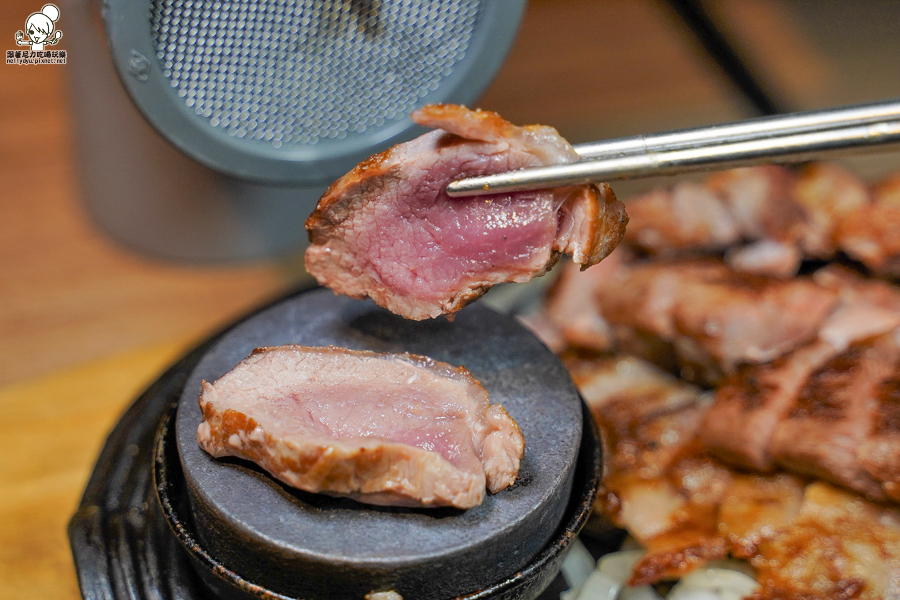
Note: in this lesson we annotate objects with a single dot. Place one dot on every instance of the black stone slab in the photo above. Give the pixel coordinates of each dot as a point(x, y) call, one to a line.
point(315, 546)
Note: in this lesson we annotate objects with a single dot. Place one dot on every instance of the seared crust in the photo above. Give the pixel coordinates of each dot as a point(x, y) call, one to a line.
point(455, 248)
point(368, 467)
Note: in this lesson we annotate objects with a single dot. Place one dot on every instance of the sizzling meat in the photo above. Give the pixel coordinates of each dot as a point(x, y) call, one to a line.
point(687, 217)
point(833, 416)
point(571, 305)
point(380, 428)
point(387, 229)
point(871, 234)
point(751, 403)
point(805, 542)
point(879, 455)
point(828, 194)
point(839, 547)
point(714, 318)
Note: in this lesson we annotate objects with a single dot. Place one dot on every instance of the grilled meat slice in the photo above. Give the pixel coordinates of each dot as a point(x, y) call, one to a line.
point(833, 416)
point(760, 200)
point(387, 229)
point(766, 257)
point(649, 416)
point(840, 546)
point(871, 233)
point(749, 405)
point(828, 194)
point(879, 455)
point(687, 217)
point(714, 318)
point(572, 307)
point(739, 427)
point(657, 485)
point(755, 507)
point(380, 428)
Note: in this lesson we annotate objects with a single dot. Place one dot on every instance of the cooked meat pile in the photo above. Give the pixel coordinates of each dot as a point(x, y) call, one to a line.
point(387, 229)
point(804, 539)
point(799, 377)
point(385, 429)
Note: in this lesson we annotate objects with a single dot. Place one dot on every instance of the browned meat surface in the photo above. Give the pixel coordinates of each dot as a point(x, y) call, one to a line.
point(714, 318)
point(871, 233)
point(879, 455)
point(840, 547)
point(686, 217)
point(766, 257)
point(749, 405)
point(657, 485)
point(805, 541)
point(572, 307)
point(755, 507)
point(387, 229)
point(833, 416)
point(746, 319)
point(829, 194)
point(760, 200)
point(380, 428)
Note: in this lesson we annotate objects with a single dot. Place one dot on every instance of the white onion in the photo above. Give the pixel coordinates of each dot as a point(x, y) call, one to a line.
point(713, 583)
point(578, 565)
point(718, 580)
point(600, 586)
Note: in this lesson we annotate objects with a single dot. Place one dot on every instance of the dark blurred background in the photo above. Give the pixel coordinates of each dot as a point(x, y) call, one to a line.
point(70, 297)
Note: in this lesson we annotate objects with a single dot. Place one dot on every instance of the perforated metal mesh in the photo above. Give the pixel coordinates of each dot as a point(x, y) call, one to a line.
point(301, 71)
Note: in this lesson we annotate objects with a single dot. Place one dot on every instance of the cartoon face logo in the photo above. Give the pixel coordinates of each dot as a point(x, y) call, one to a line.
point(39, 28)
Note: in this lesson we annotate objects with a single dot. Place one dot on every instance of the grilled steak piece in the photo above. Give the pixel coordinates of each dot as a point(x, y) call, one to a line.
point(833, 416)
point(380, 428)
point(388, 230)
point(760, 200)
point(739, 427)
point(766, 257)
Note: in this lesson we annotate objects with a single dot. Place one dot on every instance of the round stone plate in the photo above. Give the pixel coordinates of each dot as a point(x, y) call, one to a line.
point(316, 546)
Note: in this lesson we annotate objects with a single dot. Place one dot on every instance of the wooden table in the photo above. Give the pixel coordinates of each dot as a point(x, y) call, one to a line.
point(85, 324)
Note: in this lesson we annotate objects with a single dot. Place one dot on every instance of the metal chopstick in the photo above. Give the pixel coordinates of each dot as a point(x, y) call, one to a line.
point(708, 153)
point(744, 130)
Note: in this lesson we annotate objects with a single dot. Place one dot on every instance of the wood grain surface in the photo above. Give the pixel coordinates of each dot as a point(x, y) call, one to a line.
point(85, 323)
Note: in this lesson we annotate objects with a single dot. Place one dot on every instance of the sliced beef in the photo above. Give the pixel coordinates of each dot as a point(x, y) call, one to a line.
point(766, 257)
point(760, 200)
point(380, 428)
point(746, 319)
point(751, 403)
point(387, 229)
point(833, 416)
